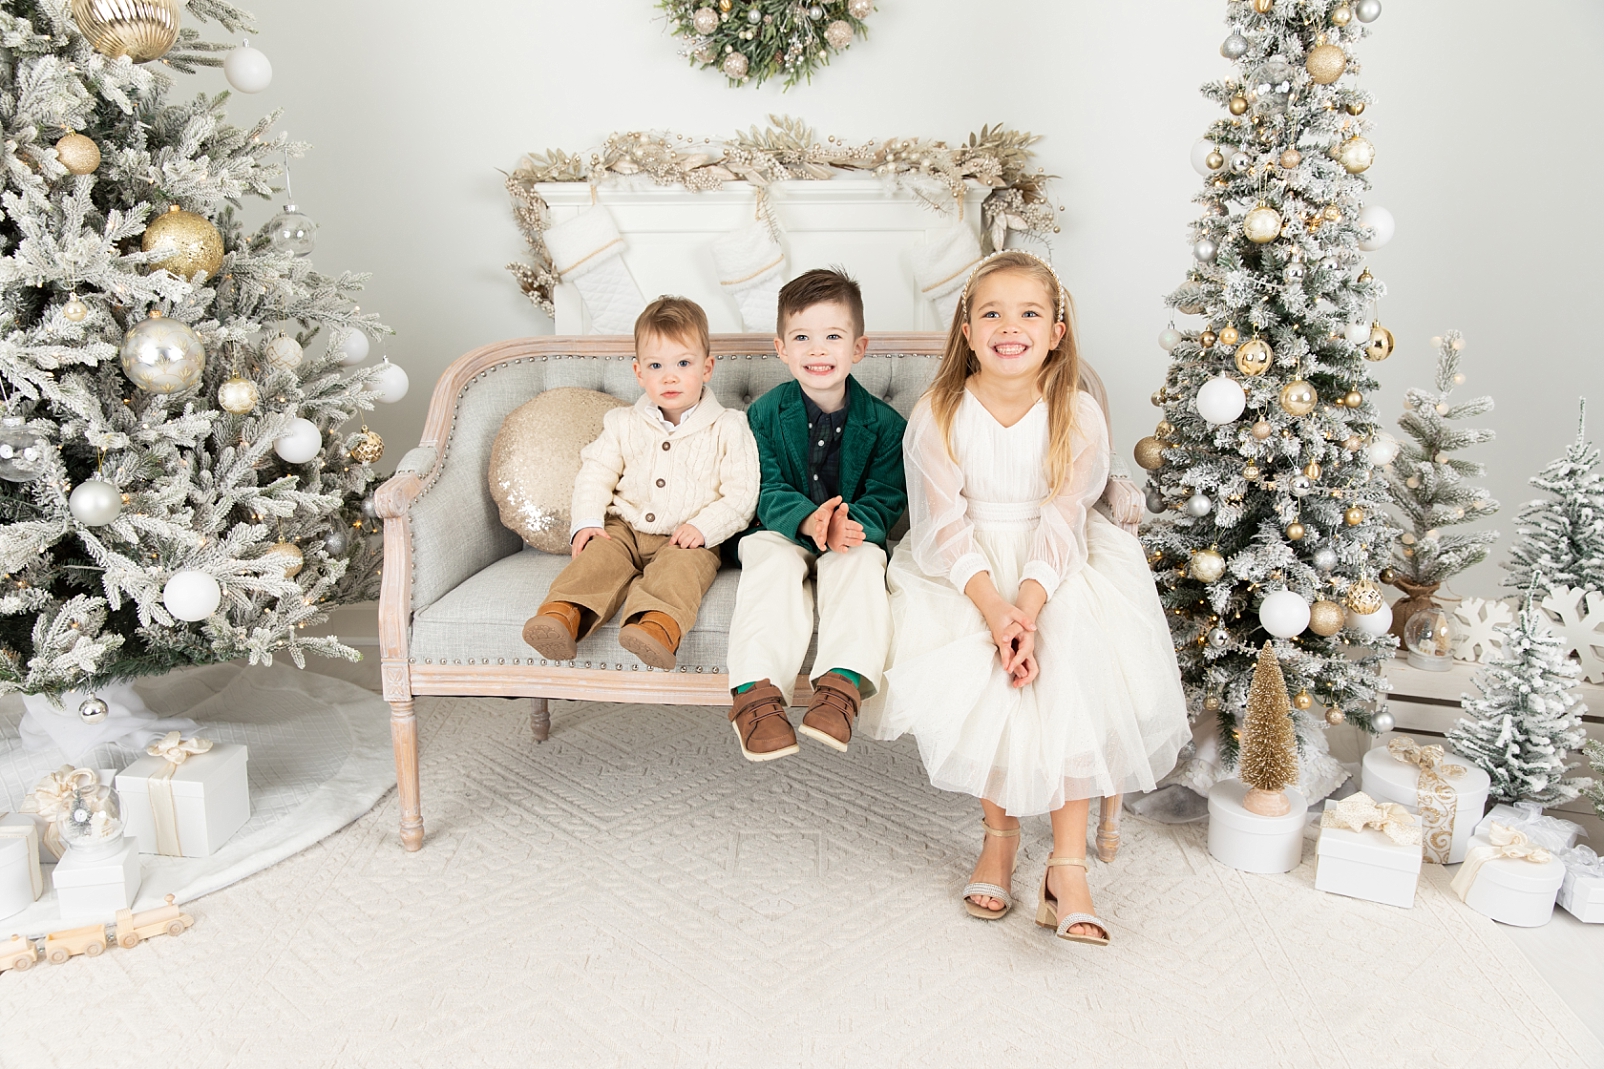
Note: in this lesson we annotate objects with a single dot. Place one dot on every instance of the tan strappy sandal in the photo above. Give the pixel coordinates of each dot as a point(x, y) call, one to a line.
point(991, 890)
point(1047, 911)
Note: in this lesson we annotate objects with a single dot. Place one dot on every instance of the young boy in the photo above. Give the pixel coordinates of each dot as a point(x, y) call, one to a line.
point(832, 488)
point(670, 478)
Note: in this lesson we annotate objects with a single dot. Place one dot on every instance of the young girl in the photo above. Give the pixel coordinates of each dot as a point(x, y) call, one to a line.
point(1030, 655)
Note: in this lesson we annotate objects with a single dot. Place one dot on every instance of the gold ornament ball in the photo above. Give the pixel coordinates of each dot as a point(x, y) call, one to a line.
point(1295, 531)
point(184, 243)
point(139, 29)
point(1325, 64)
point(1331, 213)
point(74, 310)
point(1354, 399)
point(1207, 339)
point(1341, 15)
point(1253, 357)
point(1164, 429)
point(1214, 161)
point(1237, 105)
point(735, 66)
point(1335, 716)
point(860, 9)
point(1263, 6)
point(1355, 107)
point(287, 555)
point(1303, 699)
point(1262, 430)
point(1381, 342)
point(78, 154)
point(1207, 565)
point(1312, 469)
point(1365, 277)
point(1212, 703)
point(1229, 336)
point(705, 20)
point(1262, 225)
point(1326, 617)
point(1150, 453)
point(1251, 472)
point(1298, 398)
point(838, 34)
point(1388, 575)
point(1291, 158)
point(369, 447)
point(238, 395)
point(1353, 516)
point(1157, 398)
point(1356, 155)
point(1364, 597)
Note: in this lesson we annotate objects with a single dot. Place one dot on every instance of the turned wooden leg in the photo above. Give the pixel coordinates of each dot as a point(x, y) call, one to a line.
point(404, 733)
point(1108, 827)
point(540, 719)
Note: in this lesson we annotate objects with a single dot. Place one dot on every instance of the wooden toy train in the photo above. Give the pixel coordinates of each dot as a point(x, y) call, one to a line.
point(131, 929)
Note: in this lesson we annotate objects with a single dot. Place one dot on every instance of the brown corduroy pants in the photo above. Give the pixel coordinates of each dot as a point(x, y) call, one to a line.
point(640, 572)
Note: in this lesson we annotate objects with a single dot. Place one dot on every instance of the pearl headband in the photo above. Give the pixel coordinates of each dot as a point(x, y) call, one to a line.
point(1061, 298)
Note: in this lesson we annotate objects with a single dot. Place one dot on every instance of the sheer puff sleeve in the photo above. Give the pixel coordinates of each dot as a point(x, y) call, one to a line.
point(1059, 548)
point(939, 532)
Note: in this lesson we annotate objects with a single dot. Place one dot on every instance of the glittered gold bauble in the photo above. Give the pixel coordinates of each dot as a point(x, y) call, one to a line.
point(1262, 430)
point(838, 34)
point(78, 154)
point(1207, 565)
point(369, 447)
point(162, 355)
point(1229, 336)
point(1298, 398)
point(1291, 158)
point(735, 66)
point(1354, 399)
point(1355, 107)
point(1303, 699)
point(705, 20)
point(1364, 597)
point(860, 9)
point(1164, 429)
point(1356, 155)
point(183, 243)
point(1237, 105)
point(1352, 443)
point(1207, 338)
point(1326, 617)
point(1331, 213)
point(1212, 703)
point(139, 29)
point(287, 556)
point(1379, 347)
point(1335, 716)
point(1262, 225)
point(1353, 516)
point(1150, 453)
point(74, 310)
point(238, 395)
point(1325, 64)
point(1341, 15)
point(1253, 356)
point(1214, 161)
point(1312, 469)
point(1296, 531)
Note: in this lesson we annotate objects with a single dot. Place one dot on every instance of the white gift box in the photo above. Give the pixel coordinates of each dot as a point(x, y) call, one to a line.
point(211, 799)
point(1551, 833)
point(95, 888)
point(1248, 841)
point(17, 865)
point(1582, 893)
point(1515, 891)
point(1387, 779)
point(1366, 864)
point(24, 827)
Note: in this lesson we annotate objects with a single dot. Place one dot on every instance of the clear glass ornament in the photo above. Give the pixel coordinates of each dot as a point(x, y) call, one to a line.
point(23, 454)
point(1429, 637)
point(92, 823)
point(162, 355)
point(291, 231)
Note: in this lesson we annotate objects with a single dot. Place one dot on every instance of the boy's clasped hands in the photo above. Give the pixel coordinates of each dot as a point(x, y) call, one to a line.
point(832, 528)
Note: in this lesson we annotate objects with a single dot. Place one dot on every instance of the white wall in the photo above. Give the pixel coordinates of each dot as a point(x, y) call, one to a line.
point(1488, 147)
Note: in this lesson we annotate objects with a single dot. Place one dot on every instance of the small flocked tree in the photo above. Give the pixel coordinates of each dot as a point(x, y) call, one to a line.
point(1594, 751)
point(1269, 761)
point(203, 504)
point(1528, 717)
point(1563, 536)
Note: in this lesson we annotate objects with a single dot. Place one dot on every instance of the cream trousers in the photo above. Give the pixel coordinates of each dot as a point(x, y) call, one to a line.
point(773, 620)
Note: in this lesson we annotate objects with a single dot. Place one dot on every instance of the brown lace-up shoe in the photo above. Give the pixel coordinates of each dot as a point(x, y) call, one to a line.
point(759, 720)
point(832, 712)
point(553, 630)
point(653, 637)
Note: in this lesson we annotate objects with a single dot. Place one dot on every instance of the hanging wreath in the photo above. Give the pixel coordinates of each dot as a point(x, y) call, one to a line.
point(755, 40)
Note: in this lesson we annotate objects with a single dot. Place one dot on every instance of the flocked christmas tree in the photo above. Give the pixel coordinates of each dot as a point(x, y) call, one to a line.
point(1563, 536)
point(1428, 485)
point(1593, 750)
point(177, 487)
point(1269, 762)
point(1528, 717)
point(1271, 525)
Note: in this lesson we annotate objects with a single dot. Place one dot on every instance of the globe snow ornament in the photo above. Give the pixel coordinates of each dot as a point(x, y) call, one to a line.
point(300, 442)
point(1356, 155)
point(23, 454)
point(1262, 225)
point(191, 595)
point(1284, 613)
point(1221, 400)
point(390, 382)
point(291, 231)
point(162, 355)
point(1253, 356)
point(247, 69)
point(1208, 565)
point(142, 30)
point(1381, 225)
point(1429, 637)
point(238, 395)
point(183, 243)
point(284, 352)
point(95, 502)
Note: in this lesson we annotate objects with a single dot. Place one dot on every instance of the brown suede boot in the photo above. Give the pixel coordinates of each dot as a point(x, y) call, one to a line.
point(832, 712)
point(758, 717)
point(653, 637)
point(553, 630)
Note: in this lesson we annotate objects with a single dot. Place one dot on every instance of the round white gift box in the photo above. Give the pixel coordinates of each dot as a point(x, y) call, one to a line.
point(1514, 890)
point(1387, 779)
point(1248, 841)
point(16, 877)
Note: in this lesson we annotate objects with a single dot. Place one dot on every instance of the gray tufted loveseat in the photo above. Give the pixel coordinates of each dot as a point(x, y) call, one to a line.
point(458, 586)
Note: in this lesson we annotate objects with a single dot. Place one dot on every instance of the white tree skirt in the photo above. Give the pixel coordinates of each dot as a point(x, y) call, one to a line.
point(633, 893)
point(320, 756)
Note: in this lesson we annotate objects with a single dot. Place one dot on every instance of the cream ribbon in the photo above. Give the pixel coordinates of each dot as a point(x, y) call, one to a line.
point(1435, 797)
point(1506, 842)
point(52, 798)
point(1360, 811)
point(163, 813)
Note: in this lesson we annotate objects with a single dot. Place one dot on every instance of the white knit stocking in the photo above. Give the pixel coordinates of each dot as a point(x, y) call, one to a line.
point(942, 266)
point(751, 268)
point(587, 250)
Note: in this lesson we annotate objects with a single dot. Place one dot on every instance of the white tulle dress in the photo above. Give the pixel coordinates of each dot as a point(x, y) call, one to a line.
point(1106, 715)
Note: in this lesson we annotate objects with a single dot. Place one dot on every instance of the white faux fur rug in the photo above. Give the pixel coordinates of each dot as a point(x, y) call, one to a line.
point(632, 893)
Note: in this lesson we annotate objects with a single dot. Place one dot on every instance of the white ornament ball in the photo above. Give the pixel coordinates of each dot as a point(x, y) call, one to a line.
point(191, 595)
point(1367, 10)
point(238, 395)
point(1262, 225)
point(247, 69)
point(1221, 400)
point(95, 502)
point(390, 382)
point(1374, 624)
point(162, 355)
point(1240, 162)
point(1205, 250)
point(1169, 338)
point(300, 442)
point(1284, 614)
point(75, 310)
point(284, 352)
point(1357, 333)
point(354, 348)
point(1382, 722)
point(1382, 450)
point(1381, 224)
point(1325, 558)
point(1198, 505)
point(1200, 154)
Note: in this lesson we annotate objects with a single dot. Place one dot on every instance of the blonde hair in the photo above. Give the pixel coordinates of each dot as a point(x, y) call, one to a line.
point(679, 318)
point(1058, 378)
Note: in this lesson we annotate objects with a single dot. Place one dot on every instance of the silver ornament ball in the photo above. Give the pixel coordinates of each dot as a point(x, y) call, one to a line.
point(1155, 501)
point(1300, 485)
point(1293, 273)
point(1218, 638)
point(1234, 47)
point(1382, 722)
point(1240, 162)
point(95, 502)
point(1205, 250)
point(754, 16)
point(1367, 10)
point(1325, 558)
point(92, 710)
point(336, 542)
point(163, 355)
point(1198, 505)
point(369, 508)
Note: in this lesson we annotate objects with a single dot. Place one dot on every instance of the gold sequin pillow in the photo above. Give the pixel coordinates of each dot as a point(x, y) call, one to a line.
point(535, 458)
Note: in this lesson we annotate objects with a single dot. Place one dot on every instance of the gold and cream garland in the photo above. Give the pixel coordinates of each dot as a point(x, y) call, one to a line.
point(751, 41)
point(788, 150)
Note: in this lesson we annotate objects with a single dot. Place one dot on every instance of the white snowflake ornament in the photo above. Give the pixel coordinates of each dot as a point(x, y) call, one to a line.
point(1581, 630)
point(1476, 620)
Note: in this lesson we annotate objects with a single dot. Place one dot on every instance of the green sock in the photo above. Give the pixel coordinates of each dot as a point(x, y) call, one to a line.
point(850, 676)
point(743, 688)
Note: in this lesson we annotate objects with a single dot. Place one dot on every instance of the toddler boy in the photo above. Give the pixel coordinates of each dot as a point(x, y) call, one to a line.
point(670, 478)
point(831, 457)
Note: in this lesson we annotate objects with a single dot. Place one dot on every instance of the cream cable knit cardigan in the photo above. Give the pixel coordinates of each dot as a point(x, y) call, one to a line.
point(704, 474)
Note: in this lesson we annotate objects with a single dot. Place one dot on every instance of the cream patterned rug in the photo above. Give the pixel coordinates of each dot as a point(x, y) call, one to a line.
point(632, 893)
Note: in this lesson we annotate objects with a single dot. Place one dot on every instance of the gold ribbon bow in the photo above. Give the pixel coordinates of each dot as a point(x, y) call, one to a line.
point(1506, 842)
point(163, 813)
point(1435, 797)
point(53, 796)
point(1360, 811)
